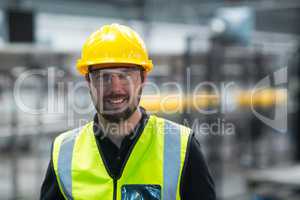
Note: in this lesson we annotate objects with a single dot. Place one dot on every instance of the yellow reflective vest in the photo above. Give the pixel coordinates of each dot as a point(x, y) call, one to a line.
point(152, 171)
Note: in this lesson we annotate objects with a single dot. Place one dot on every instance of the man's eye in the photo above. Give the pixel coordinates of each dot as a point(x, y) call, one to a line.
point(123, 76)
point(105, 77)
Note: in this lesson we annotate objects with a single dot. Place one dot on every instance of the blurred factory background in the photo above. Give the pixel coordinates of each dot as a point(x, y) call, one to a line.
point(236, 62)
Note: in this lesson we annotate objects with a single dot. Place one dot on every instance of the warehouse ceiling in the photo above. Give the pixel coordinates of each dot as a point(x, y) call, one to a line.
point(271, 15)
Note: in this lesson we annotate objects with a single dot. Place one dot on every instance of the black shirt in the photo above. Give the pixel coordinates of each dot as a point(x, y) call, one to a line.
point(196, 182)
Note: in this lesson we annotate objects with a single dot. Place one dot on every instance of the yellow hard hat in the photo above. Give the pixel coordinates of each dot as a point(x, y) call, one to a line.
point(111, 46)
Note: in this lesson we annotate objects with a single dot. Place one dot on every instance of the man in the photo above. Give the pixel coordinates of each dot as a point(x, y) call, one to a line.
point(124, 153)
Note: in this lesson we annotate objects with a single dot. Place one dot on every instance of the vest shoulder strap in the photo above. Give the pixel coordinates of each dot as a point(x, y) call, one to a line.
point(62, 156)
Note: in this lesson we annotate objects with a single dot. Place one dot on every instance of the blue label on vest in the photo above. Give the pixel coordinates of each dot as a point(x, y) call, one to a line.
point(141, 192)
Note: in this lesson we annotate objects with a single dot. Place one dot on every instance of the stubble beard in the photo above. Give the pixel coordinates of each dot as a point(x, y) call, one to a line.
point(119, 115)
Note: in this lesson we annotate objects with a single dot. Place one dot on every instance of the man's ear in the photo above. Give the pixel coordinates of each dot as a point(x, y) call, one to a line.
point(88, 80)
point(144, 76)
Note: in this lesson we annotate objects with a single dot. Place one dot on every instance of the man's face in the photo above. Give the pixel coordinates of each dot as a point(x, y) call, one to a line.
point(115, 91)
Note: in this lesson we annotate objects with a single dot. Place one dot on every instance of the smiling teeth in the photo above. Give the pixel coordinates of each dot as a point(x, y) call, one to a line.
point(117, 100)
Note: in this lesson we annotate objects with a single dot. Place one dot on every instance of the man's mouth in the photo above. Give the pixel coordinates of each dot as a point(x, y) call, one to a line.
point(117, 101)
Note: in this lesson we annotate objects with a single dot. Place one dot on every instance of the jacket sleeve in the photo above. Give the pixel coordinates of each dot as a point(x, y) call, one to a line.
point(50, 188)
point(196, 181)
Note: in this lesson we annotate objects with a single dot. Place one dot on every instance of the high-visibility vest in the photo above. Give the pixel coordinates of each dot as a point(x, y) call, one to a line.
point(154, 166)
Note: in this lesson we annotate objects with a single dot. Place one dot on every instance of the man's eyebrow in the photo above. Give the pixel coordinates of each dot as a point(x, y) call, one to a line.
point(116, 70)
point(121, 69)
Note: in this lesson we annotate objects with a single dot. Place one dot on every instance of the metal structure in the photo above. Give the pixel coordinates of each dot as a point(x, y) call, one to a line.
point(25, 138)
point(244, 66)
point(270, 14)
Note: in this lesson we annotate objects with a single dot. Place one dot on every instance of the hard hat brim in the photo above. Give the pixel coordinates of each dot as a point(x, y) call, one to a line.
point(82, 66)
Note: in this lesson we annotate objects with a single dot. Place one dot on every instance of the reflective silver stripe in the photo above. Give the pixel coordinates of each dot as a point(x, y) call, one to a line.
point(172, 146)
point(64, 167)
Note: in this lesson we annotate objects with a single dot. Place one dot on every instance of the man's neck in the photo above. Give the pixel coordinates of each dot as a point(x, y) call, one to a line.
point(117, 131)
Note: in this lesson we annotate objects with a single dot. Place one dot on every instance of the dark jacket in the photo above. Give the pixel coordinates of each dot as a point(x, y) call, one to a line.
point(196, 182)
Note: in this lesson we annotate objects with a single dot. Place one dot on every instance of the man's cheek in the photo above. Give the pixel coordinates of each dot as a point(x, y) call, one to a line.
point(97, 96)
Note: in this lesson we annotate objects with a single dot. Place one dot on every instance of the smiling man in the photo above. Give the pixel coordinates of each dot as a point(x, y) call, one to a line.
point(124, 153)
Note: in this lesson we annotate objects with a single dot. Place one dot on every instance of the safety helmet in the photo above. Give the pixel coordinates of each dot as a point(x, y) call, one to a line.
point(114, 45)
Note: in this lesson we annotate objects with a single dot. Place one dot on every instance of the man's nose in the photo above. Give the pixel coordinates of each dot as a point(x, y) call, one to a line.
point(116, 82)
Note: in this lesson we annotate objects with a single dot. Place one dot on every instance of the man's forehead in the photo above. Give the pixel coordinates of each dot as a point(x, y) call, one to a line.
point(114, 68)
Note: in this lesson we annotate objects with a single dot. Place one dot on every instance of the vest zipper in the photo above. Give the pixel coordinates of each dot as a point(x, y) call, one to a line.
point(116, 178)
point(115, 189)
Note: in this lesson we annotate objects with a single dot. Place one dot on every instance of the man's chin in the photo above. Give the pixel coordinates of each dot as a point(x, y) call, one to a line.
point(117, 107)
point(116, 117)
